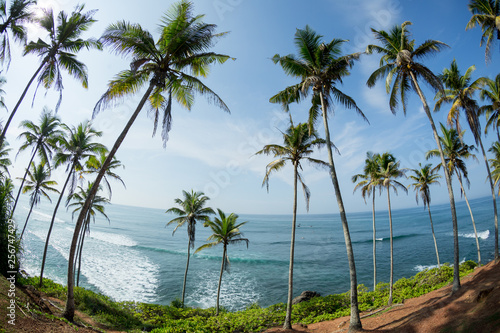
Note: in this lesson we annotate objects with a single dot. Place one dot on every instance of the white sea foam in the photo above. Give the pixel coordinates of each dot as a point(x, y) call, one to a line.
point(238, 290)
point(42, 217)
point(482, 234)
point(113, 238)
point(420, 268)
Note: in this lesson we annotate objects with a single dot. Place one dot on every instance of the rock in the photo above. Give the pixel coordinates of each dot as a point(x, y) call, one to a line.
point(305, 296)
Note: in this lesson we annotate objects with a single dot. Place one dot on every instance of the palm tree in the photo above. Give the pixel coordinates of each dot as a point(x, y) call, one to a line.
point(226, 231)
point(388, 172)
point(320, 67)
point(42, 139)
point(59, 53)
point(491, 93)
point(192, 210)
point(5, 161)
point(298, 145)
point(78, 200)
point(38, 183)
point(369, 180)
point(77, 146)
point(485, 13)
point(459, 92)
point(94, 165)
point(456, 151)
point(13, 19)
point(400, 68)
point(495, 164)
point(423, 177)
point(171, 67)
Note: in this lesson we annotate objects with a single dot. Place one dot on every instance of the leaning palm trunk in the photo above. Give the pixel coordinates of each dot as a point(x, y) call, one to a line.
point(391, 280)
point(27, 219)
point(456, 272)
point(22, 184)
point(52, 223)
point(288, 318)
point(4, 131)
point(186, 272)
point(492, 186)
point(80, 252)
point(69, 311)
point(355, 321)
point(433, 235)
point(224, 253)
point(459, 176)
point(374, 245)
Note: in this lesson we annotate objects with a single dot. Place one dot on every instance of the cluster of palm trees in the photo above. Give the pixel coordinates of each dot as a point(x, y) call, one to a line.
point(171, 68)
point(225, 230)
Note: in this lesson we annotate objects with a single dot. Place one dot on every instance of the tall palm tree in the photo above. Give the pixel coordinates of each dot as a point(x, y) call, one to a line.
point(38, 183)
point(41, 138)
point(192, 209)
point(456, 152)
point(225, 231)
point(459, 92)
point(320, 67)
point(485, 13)
point(399, 68)
point(171, 68)
point(13, 19)
point(389, 171)
point(423, 177)
point(491, 94)
point(78, 200)
point(298, 145)
point(94, 165)
point(369, 180)
point(59, 52)
point(74, 148)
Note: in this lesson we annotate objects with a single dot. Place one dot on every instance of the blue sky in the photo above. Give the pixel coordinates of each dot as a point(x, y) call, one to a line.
point(212, 151)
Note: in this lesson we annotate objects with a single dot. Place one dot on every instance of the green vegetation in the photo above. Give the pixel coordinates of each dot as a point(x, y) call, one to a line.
point(135, 317)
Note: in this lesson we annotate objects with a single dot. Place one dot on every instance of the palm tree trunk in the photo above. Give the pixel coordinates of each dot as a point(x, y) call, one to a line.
point(69, 311)
point(391, 281)
point(80, 251)
point(186, 272)
point(52, 224)
point(4, 131)
point(224, 253)
point(355, 321)
point(374, 244)
point(472, 219)
point(26, 223)
point(288, 317)
point(433, 235)
point(22, 183)
point(456, 272)
point(493, 196)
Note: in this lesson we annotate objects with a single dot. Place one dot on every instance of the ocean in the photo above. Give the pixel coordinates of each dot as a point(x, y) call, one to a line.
point(134, 257)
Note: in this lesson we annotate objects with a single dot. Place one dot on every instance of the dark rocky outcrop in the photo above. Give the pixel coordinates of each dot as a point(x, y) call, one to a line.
point(305, 296)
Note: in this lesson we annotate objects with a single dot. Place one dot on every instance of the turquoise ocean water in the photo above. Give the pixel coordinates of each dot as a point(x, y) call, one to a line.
point(135, 258)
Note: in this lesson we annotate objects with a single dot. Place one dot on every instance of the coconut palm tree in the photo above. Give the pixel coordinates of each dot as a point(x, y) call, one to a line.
point(491, 94)
point(456, 152)
point(425, 176)
point(94, 165)
point(320, 67)
point(59, 52)
point(485, 13)
point(495, 163)
point(74, 148)
point(171, 68)
point(401, 69)
point(369, 180)
point(78, 200)
point(39, 184)
point(13, 19)
point(42, 140)
point(298, 145)
point(225, 231)
point(459, 92)
point(389, 171)
point(192, 209)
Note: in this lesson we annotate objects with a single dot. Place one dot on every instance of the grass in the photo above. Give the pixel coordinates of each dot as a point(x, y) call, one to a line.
point(137, 317)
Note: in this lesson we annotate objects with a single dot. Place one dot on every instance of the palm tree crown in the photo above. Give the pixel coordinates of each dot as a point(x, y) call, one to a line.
point(486, 13)
point(423, 177)
point(491, 94)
